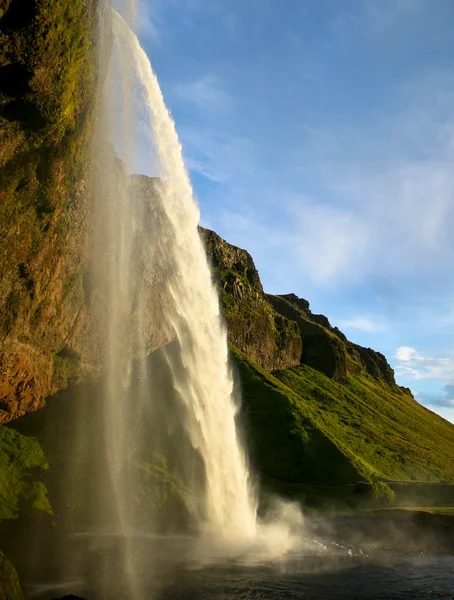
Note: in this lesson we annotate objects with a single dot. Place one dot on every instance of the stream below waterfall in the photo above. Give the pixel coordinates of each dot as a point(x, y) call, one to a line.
point(173, 568)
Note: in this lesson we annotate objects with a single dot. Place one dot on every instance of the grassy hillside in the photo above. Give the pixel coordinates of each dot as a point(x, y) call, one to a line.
point(391, 433)
point(303, 427)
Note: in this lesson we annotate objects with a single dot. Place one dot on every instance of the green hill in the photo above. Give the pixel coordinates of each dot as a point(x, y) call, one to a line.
point(315, 438)
point(380, 434)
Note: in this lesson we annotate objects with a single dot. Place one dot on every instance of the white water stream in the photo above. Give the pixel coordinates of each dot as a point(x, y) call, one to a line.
point(226, 506)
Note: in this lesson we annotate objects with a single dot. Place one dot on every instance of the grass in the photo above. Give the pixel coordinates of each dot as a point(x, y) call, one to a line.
point(312, 437)
point(284, 440)
point(393, 435)
point(432, 510)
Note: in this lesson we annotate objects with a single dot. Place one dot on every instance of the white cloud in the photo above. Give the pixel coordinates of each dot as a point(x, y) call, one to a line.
point(366, 324)
point(405, 353)
point(413, 364)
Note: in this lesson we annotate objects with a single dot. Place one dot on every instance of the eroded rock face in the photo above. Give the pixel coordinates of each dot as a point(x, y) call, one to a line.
point(268, 338)
point(321, 347)
point(45, 100)
point(25, 377)
point(326, 348)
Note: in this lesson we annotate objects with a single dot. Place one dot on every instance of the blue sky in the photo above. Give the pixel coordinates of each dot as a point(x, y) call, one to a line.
point(319, 136)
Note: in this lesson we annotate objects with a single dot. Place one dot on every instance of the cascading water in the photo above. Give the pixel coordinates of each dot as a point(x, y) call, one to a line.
point(191, 316)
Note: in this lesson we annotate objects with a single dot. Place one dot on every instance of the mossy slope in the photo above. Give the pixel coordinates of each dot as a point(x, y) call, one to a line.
point(303, 427)
point(10, 588)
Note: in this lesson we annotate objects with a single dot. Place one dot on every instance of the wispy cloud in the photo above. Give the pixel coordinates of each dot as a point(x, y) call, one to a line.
point(413, 364)
point(365, 323)
point(391, 187)
point(446, 399)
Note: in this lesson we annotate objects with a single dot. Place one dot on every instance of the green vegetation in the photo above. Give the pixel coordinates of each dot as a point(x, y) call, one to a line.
point(20, 457)
point(431, 510)
point(395, 437)
point(65, 365)
point(159, 487)
point(317, 439)
point(283, 436)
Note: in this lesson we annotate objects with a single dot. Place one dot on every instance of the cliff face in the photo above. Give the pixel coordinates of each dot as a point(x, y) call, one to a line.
point(254, 327)
point(326, 349)
point(46, 87)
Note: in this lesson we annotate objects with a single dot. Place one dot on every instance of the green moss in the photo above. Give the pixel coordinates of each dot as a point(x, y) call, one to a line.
point(163, 494)
point(65, 365)
point(39, 498)
point(159, 486)
point(20, 456)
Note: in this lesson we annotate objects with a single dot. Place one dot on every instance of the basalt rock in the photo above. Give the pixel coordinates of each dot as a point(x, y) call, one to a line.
point(322, 349)
point(267, 337)
point(326, 349)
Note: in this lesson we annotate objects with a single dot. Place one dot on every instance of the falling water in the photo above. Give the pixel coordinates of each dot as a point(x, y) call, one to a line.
point(192, 317)
point(202, 377)
point(159, 335)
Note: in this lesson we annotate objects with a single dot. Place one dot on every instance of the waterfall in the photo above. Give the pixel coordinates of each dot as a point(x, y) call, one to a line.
point(202, 376)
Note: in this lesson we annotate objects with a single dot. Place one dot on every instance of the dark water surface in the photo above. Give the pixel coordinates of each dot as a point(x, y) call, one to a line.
point(172, 569)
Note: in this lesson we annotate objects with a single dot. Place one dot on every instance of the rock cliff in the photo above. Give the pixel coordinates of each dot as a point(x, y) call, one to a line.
point(46, 88)
point(254, 327)
point(326, 348)
point(278, 332)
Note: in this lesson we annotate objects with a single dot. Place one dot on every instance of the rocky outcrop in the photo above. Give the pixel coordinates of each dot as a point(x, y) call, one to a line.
point(326, 348)
point(376, 364)
point(321, 348)
point(267, 337)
